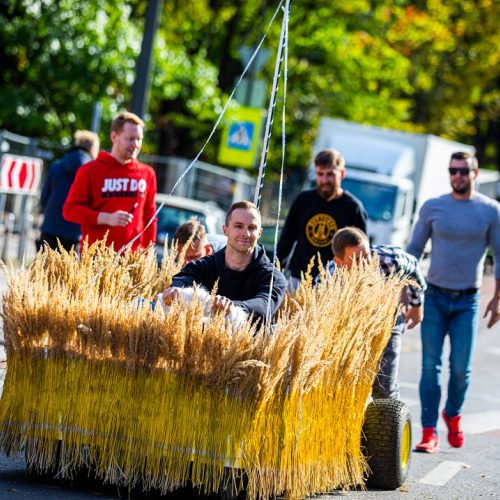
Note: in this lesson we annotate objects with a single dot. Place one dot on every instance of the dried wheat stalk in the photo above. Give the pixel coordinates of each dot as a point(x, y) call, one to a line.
point(155, 394)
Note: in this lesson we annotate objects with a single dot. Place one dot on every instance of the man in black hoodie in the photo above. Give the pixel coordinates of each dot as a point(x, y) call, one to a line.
point(242, 268)
point(55, 191)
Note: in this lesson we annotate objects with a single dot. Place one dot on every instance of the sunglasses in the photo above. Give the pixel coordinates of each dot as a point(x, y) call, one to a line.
point(462, 171)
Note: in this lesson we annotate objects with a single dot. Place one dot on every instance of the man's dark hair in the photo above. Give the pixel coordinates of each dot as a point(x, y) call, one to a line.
point(247, 205)
point(329, 158)
point(192, 230)
point(121, 118)
point(347, 237)
point(462, 155)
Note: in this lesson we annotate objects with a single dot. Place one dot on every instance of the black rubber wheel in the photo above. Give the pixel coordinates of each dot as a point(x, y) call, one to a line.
point(386, 443)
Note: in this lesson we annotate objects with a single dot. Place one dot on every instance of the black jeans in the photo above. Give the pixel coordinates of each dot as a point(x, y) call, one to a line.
point(51, 241)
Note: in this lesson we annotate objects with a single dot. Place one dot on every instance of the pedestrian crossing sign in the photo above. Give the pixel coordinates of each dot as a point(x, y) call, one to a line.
point(241, 137)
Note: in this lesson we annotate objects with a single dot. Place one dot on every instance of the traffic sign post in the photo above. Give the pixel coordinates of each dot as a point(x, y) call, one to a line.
point(20, 174)
point(241, 137)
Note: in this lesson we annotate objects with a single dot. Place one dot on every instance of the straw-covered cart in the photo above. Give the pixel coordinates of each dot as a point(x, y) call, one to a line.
point(96, 380)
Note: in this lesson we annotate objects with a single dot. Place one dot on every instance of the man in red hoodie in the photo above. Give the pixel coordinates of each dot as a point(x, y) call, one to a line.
point(115, 193)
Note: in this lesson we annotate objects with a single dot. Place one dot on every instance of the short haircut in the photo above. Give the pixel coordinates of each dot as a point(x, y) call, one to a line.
point(329, 158)
point(125, 117)
point(348, 237)
point(468, 157)
point(247, 205)
point(86, 139)
point(192, 230)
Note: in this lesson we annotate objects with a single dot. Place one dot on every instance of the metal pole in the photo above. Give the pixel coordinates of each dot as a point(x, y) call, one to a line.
point(23, 226)
point(10, 220)
point(272, 106)
point(143, 71)
point(96, 116)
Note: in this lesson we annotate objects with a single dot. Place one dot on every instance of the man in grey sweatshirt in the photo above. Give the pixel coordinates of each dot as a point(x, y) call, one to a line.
point(461, 226)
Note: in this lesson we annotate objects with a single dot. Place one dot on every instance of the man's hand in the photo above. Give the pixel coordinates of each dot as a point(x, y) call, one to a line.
point(413, 316)
point(120, 218)
point(222, 303)
point(170, 294)
point(494, 308)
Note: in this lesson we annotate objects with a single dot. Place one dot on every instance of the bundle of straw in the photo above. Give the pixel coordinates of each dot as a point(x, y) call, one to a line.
point(158, 401)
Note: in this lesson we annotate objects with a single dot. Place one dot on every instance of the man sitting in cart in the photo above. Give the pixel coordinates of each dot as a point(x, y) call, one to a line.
point(349, 244)
point(242, 269)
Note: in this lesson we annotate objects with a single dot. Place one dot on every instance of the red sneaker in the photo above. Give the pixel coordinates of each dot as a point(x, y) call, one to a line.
point(429, 443)
point(455, 433)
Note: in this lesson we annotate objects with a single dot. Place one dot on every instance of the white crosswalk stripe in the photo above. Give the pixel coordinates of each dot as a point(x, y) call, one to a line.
point(442, 473)
point(494, 350)
point(477, 423)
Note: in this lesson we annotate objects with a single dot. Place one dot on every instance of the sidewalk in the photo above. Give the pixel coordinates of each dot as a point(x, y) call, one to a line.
point(12, 253)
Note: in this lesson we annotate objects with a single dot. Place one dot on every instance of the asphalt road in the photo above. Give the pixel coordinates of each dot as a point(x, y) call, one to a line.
point(471, 472)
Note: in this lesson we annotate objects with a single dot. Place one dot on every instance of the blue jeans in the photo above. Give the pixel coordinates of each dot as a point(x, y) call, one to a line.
point(456, 316)
point(386, 384)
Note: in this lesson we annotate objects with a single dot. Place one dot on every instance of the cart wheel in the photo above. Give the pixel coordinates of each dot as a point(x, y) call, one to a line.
point(386, 443)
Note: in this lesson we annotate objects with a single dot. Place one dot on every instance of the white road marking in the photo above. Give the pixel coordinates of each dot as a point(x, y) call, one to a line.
point(493, 350)
point(477, 423)
point(442, 473)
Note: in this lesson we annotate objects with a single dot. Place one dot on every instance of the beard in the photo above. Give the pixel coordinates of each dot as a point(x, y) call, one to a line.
point(461, 189)
point(325, 193)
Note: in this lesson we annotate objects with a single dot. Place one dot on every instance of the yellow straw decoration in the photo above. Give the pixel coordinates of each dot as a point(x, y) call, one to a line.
point(97, 378)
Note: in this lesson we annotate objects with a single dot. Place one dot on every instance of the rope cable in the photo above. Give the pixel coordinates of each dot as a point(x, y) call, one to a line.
point(270, 116)
point(283, 148)
point(193, 162)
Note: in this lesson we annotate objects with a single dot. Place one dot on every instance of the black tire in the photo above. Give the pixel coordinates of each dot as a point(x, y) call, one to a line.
point(386, 443)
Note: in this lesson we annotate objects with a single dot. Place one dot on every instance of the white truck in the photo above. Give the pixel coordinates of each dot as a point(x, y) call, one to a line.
point(391, 172)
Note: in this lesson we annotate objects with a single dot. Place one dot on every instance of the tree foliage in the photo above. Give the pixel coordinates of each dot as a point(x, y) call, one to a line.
point(57, 60)
point(428, 66)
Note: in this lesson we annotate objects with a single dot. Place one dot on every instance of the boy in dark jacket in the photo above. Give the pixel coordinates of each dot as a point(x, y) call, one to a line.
point(55, 190)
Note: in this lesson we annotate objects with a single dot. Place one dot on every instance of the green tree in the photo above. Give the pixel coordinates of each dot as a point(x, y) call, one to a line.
point(58, 58)
point(428, 66)
point(455, 69)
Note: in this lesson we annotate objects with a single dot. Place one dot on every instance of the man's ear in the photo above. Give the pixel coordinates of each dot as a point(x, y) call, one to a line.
point(224, 229)
point(338, 261)
point(342, 174)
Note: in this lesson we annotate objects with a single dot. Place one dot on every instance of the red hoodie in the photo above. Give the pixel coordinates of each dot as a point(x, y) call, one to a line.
point(106, 185)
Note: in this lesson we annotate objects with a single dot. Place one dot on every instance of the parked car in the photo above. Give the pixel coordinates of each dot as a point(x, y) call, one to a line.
point(177, 210)
point(267, 237)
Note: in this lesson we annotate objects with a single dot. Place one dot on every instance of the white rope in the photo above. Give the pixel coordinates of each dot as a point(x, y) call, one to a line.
point(270, 111)
point(193, 162)
point(224, 109)
point(283, 148)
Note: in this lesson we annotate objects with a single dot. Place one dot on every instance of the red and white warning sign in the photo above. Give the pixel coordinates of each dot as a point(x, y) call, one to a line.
point(20, 174)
